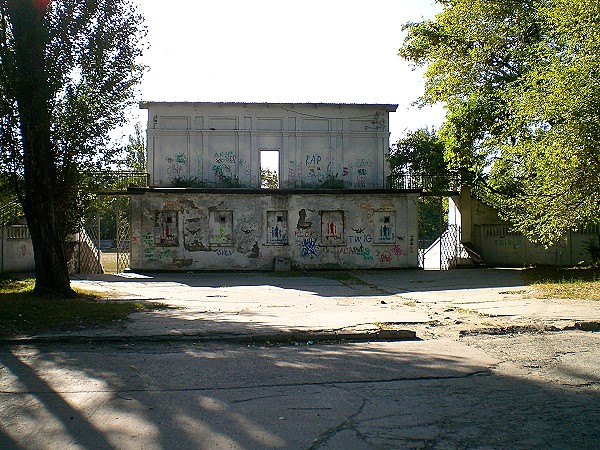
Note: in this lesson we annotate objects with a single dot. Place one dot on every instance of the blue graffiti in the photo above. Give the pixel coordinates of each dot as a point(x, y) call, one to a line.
point(309, 247)
point(385, 233)
point(276, 232)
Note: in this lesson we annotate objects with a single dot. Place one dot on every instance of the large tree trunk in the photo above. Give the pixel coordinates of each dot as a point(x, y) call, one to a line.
point(43, 194)
point(51, 272)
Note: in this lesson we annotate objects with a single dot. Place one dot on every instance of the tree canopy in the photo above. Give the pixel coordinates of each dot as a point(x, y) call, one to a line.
point(520, 81)
point(268, 179)
point(68, 72)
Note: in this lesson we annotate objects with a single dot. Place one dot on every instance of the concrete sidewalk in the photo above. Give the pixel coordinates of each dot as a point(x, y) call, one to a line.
point(269, 306)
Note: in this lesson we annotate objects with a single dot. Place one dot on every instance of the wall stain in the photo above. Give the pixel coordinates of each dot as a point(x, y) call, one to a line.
point(303, 224)
point(255, 251)
point(182, 262)
point(196, 246)
point(193, 226)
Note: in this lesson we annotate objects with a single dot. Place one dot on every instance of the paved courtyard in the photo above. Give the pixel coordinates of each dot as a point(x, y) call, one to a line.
point(488, 366)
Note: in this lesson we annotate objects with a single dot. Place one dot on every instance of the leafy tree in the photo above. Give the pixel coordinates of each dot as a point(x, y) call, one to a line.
point(420, 154)
point(68, 72)
point(520, 80)
point(268, 179)
point(135, 151)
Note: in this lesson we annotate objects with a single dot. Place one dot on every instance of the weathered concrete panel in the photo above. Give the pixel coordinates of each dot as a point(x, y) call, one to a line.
point(343, 144)
point(500, 246)
point(16, 249)
point(249, 230)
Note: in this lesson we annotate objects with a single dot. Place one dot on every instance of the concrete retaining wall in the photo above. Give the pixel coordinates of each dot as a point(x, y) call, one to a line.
point(16, 249)
point(499, 246)
point(189, 229)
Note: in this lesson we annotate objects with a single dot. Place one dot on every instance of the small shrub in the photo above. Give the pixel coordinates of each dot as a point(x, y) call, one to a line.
point(332, 182)
point(593, 248)
point(192, 182)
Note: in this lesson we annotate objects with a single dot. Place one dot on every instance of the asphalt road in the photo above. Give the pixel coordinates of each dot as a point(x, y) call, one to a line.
point(507, 391)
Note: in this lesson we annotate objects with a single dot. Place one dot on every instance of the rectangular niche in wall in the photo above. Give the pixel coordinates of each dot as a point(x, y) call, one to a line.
point(332, 227)
point(385, 227)
point(221, 227)
point(166, 230)
point(277, 228)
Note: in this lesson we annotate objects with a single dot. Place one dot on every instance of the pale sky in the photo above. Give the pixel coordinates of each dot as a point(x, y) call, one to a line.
point(310, 51)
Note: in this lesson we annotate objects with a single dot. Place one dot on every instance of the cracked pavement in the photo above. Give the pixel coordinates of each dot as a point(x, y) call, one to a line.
point(486, 372)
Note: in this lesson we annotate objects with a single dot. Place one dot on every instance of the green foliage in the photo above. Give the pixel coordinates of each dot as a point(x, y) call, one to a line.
point(135, 151)
point(418, 151)
point(593, 248)
point(230, 182)
point(268, 179)
point(578, 283)
point(420, 154)
point(22, 313)
point(433, 218)
point(192, 182)
point(332, 182)
point(68, 74)
point(521, 83)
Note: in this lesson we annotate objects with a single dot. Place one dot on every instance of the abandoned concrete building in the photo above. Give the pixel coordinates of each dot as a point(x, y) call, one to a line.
point(204, 208)
point(204, 205)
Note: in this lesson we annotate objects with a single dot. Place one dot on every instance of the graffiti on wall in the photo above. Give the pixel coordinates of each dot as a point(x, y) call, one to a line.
point(152, 252)
point(303, 224)
point(176, 166)
point(507, 243)
point(277, 227)
point(385, 226)
point(332, 227)
point(388, 256)
point(221, 227)
point(308, 247)
point(357, 239)
point(166, 228)
point(358, 250)
point(223, 164)
point(313, 168)
point(397, 251)
point(362, 167)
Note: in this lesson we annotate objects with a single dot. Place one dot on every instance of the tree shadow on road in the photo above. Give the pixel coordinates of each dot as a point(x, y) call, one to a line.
point(351, 283)
point(347, 395)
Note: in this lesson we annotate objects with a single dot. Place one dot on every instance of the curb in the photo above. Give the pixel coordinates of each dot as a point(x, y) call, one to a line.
point(539, 328)
point(268, 338)
point(593, 325)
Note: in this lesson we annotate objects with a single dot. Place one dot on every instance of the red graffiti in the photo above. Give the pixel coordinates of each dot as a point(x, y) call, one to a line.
point(385, 257)
point(397, 251)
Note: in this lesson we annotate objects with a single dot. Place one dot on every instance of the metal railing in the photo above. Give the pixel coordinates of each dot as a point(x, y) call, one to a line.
point(428, 182)
point(118, 180)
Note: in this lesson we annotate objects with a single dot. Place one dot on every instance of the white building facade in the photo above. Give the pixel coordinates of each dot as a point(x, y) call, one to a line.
point(205, 209)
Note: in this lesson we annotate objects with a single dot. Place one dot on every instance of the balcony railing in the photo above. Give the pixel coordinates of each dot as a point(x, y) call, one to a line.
point(119, 181)
point(428, 182)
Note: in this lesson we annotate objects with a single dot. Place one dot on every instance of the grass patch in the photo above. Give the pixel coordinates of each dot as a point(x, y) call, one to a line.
point(23, 314)
point(577, 282)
